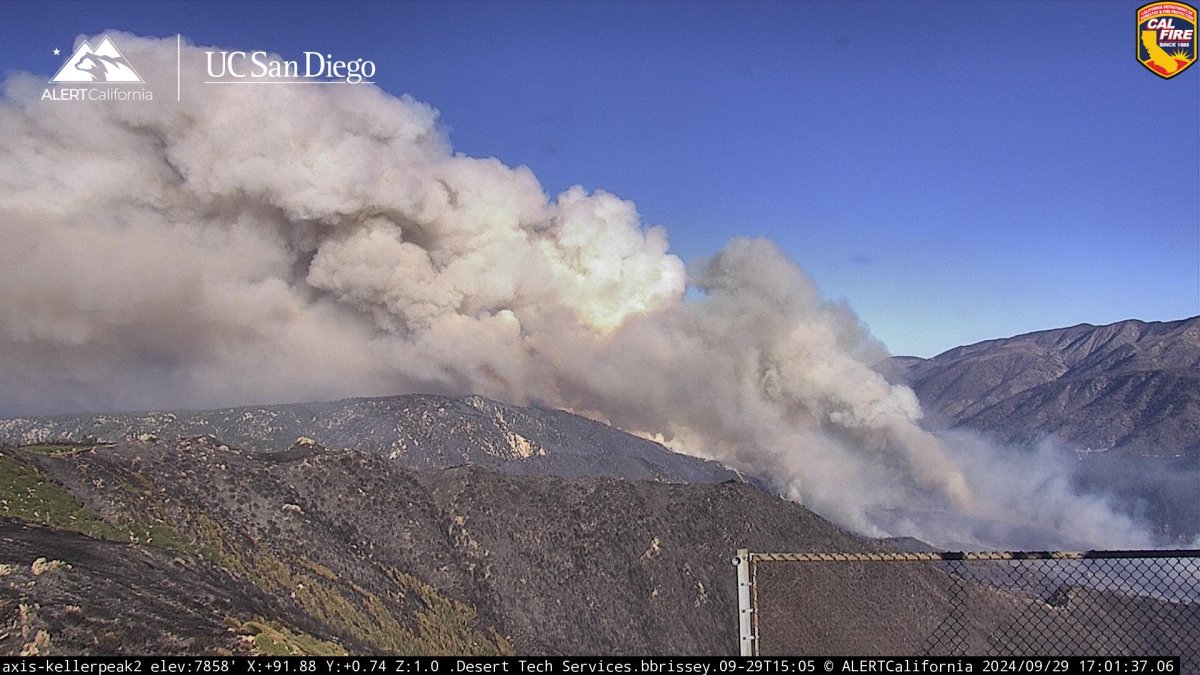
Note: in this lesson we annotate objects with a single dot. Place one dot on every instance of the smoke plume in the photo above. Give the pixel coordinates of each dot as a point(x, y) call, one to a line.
point(270, 244)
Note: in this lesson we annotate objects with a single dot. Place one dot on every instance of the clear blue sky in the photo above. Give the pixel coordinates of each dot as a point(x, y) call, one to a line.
point(955, 171)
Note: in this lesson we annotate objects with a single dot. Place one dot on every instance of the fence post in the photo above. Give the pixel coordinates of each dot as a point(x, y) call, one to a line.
point(745, 629)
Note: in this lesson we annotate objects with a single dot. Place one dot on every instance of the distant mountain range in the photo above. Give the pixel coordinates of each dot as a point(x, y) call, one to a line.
point(1125, 398)
point(1130, 387)
point(417, 431)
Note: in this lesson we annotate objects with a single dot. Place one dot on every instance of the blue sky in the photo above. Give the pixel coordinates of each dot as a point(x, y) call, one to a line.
point(955, 171)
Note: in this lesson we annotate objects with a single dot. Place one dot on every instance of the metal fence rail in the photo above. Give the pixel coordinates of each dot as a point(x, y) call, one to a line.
point(1019, 603)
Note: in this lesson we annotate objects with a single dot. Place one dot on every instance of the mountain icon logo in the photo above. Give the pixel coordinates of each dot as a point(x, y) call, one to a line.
point(102, 64)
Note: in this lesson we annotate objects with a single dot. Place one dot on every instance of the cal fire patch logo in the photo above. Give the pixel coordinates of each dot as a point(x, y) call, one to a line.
point(1166, 37)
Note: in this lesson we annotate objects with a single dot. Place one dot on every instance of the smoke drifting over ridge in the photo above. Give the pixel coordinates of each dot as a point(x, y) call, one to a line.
point(286, 243)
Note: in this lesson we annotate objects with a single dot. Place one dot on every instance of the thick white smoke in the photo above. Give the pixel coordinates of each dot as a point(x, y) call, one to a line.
point(269, 244)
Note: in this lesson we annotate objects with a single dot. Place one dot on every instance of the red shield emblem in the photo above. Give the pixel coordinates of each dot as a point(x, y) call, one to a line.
point(1166, 37)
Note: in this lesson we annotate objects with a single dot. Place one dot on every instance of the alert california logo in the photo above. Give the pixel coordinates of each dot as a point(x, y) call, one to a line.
point(99, 73)
point(1166, 37)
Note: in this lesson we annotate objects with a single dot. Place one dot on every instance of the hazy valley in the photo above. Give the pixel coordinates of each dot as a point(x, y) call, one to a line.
point(1123, 399)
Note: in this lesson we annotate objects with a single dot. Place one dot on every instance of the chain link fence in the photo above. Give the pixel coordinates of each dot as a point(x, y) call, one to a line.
point(1094, 603)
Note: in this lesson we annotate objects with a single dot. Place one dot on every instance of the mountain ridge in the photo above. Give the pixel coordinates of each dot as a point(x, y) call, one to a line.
point(419, 431)
point(1133, 386)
